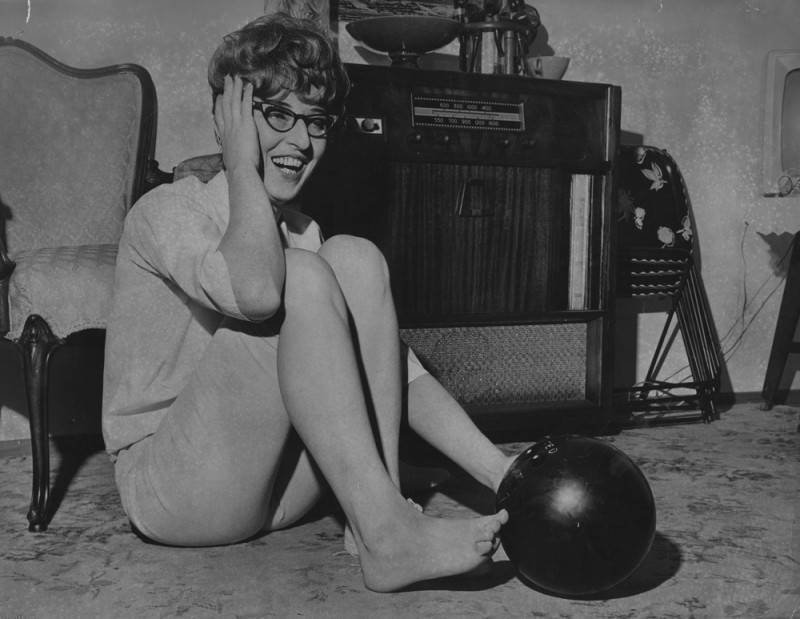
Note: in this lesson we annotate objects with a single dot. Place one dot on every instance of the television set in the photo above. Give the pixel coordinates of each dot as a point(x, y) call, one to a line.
point(781, 158)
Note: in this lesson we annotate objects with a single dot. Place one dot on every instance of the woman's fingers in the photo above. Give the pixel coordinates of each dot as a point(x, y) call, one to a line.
point(232, 98)
point(247, 100)
point(219, 104)
point(227, 97)
point(239, 98)
point(235, 123)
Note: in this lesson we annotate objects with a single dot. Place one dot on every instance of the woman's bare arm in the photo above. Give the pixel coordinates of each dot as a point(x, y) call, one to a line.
point(251, 244)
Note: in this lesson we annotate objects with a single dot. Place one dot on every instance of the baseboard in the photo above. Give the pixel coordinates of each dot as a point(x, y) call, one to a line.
point(782, 398)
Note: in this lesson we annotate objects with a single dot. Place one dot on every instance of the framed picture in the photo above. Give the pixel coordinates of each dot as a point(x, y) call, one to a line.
point(350, 10)
point(330, 12)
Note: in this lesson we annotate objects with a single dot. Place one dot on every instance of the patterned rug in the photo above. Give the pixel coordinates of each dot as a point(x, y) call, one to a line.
point(727, 545)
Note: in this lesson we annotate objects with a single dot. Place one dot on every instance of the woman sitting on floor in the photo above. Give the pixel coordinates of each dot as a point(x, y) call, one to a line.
point(232, 391)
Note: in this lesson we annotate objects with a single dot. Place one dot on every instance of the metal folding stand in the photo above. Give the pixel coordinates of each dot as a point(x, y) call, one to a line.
point(655, 259)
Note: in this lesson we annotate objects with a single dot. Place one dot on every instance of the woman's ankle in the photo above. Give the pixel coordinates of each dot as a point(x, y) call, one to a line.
point(501, 470)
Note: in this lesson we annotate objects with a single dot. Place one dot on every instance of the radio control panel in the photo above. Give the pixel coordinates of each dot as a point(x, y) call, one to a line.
point(444, 116)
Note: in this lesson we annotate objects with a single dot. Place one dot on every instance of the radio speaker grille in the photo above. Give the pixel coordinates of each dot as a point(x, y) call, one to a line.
point(500, 365)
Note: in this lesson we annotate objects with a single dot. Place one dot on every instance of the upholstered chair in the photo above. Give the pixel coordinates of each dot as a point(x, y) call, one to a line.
point(76, 151)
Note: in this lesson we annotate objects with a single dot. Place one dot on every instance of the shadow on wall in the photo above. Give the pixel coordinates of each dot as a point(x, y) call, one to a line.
point(541, 44)
point(779, 246)
point(780, 249)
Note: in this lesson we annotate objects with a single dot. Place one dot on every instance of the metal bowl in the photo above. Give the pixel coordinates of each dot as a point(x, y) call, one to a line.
point(404, 37)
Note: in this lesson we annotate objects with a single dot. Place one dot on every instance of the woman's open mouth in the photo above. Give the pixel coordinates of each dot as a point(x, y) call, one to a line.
point(290, 166)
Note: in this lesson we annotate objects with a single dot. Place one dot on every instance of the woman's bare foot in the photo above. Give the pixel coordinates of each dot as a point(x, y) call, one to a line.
point(415, 547)
point(350, 540)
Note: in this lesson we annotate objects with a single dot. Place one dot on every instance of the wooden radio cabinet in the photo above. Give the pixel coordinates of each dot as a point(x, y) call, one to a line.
point(491, 198)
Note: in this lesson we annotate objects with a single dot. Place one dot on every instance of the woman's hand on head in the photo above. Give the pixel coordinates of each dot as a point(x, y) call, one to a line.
point(235, 125)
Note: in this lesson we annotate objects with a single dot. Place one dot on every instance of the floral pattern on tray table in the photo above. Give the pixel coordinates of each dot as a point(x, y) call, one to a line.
point(652, 206)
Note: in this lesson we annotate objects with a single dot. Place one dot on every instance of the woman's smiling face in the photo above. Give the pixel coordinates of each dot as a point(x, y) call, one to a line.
point(289, 156)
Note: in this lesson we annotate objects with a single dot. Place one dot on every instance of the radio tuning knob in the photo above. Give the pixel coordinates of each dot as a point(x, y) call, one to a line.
point(415, 138)
point(370, 125)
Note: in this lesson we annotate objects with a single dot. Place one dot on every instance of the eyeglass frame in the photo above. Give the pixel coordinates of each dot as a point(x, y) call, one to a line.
point(264, 107)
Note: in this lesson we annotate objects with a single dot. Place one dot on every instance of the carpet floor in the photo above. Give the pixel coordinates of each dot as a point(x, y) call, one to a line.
point(727, 544)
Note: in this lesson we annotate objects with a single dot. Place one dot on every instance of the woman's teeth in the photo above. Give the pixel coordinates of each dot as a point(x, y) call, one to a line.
point(288, 164)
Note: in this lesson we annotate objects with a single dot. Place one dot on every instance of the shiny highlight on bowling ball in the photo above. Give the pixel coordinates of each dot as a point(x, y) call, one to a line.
point(581, 515)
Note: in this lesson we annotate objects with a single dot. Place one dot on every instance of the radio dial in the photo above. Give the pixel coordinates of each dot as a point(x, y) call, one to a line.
point(370, 125)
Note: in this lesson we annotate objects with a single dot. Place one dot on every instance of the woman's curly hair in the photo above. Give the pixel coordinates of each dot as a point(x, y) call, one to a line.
point(279, 52)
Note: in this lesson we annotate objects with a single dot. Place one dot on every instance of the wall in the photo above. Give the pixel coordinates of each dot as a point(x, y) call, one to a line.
point(692, 82)
point(691, 75)
point(173, 40)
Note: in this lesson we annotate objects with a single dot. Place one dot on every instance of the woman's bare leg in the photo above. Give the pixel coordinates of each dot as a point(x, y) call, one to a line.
point(432, 412)
point(319, 379)
point(439, 419)
point(298, 487)
point(207, 474)
point(364, 279)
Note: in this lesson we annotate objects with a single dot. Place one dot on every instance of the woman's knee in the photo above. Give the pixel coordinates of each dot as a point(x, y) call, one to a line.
point(310, 281)
point(357, 263)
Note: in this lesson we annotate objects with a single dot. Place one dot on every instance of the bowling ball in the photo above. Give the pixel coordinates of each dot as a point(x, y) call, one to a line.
point(581, 515)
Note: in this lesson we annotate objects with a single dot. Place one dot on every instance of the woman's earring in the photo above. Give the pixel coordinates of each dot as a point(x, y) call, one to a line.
point(217, 138)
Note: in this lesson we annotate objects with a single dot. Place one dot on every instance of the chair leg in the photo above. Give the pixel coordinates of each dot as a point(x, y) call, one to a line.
point(37, 343)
